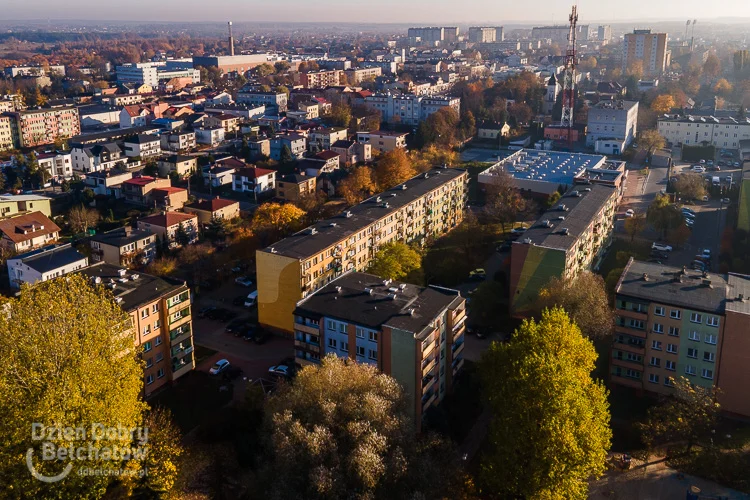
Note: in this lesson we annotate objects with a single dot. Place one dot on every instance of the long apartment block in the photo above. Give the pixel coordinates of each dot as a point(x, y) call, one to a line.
point(160, 312)
point(427, 205)
point(673, 322)
point(412, 333)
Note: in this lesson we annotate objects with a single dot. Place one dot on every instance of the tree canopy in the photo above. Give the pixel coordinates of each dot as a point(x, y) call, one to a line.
point(395, 261)
point(662, 215)
point(358, 185)
point(277, 220)
point(393, 168)
point(549, 432)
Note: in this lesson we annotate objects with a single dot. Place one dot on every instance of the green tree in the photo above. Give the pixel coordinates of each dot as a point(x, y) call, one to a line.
point(395, 261)
point(584, 299)
point(686, 416)
point(662, 215)
point(217, 229)
point(341, 115)
point(82, 218)
point(150, 168)
point(69, 360)
point(281, 66)
point(549, 432)
point(343, 430)
point(635, 226)
point(651, 140)
point(164, 450)
point(181, 236)
point(690, 186)
point(264, 70)
point(286, 155)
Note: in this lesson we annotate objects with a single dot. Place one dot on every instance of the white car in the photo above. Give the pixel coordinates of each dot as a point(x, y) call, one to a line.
point(706, 253)
point(219, 367)
point(629, 212)
point(282, 370)
point(726, 201)
point(660, 247)
point(244, 281)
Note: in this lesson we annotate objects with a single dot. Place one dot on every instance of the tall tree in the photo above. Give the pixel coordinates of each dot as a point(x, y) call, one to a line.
point(341, 115)
point(395, 261)
point(662, 215)
point(585, 300)
point(342, 430)
point(690, 186)
point(68, 360)
point(393, 168)
point(635, 225)
point(359, 184)
point(651, 140)
point(712, 67)
point(275, 220)
point(549, 432)
point(82, 218)
point(503, 201)
point(663, 103)
point(181, 236)
point(163, 453)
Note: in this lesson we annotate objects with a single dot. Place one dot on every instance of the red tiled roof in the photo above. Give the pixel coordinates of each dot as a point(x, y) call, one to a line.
point(168, 190)
point(253, 172)
point(168, 219)
point(231, 162)
point(327, 155)
point(212, 205)
point(26, 227)
point(140, 181)
point(134, 110)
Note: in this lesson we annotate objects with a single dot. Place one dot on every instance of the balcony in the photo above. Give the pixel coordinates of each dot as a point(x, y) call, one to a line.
point(428, 365)
point(178, 351)
point(429, 348)
point(307, 328)
point(459, 317)
point(633, 332)
point(635, 349)
point(457, 365)
point(633, 365)
point(427, 400)
point(179, 334)
point(310, 346)
point(627, 381)
point(427, 383)
point(457, 348)
point(179, 315)
point(631, 313)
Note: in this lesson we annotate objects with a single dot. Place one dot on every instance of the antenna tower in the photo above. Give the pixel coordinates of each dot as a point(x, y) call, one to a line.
point(569, 82)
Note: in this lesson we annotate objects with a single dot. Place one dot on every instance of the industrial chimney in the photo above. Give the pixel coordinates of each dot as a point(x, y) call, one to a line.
point(231, 39)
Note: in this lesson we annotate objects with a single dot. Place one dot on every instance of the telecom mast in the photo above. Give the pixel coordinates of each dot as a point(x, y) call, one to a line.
point(569, 82)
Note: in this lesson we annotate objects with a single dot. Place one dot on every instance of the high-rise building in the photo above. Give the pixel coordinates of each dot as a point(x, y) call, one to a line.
point(414, 334)
point(427, 35)
point(450, 34)
point(481, 34)
point(424, 206)
point(604, 33)
point(37, 127)
point(648, 48)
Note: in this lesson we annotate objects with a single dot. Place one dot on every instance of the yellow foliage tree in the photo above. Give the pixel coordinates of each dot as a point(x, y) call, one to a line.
point(394, 168)
point(663, 103)
point(276, 219)
point(358, 185)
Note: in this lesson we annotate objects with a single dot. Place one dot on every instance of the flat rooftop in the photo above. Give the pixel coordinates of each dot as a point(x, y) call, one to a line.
point(51, 257)
point(574, 213)
point(369, 301)
point(546, 166)
point(326, 233)
point(717, 120)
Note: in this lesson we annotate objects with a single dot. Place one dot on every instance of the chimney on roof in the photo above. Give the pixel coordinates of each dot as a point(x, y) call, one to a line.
point(231, 39)
point(645, 276)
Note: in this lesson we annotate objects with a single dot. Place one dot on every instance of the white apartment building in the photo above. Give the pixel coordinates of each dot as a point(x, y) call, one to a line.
point(143, 145)
point(409, 109)
point(59, 165)
point(178, 141)
point(150, 73)
point(612, 126)
point(213, 136)
point(322, 139)
point(695, 130)
point(44, 264)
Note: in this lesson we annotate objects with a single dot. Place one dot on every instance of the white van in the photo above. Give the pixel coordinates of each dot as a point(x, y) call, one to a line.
point(251, 299)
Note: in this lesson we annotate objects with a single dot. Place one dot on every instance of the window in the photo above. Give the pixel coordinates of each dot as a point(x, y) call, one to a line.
point(674, 331)
point(373, 336)
point(694, 336)
point(157, 324)
point(710, 339)
point(332, 343)
point(360, 332)
point(345, 346)
point(160, 373)
point(712, 321)
point(653, 378)
point(149, 362)
point(372, 354)
point(709, 356)
point(656, 345)
point(706, 373)
point(342, 327)
point(675, 314)
point(672, 348)
point(149, 379)
point(692, 353)
point(146, 346)
point(146, 330)
point(655, 361)
point(360, 351)
point(669, 381)
point(670, 365)
point(330, 325)
point(696, 318)
point(159, 357)
point(690, 370)
point(155, 308)
point(658, 328)
point(157, 341)
point(637, 323)
point(144, 313)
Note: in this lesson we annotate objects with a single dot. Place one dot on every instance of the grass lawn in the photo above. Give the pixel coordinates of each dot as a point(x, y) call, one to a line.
point(638, 249)
point(202, 353)
point(194, 398)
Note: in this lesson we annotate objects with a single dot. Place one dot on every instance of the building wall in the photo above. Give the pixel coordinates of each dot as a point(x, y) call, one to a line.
point(734, 369)
point(279, 289)
point(531, 268)
point(6, 133)
point(692, 133)
point(39, 127)
point(649, 48)
point(404, 362)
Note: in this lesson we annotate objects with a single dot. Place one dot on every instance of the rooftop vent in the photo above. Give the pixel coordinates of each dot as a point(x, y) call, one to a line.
point(645, 276)
point(272, 250)
point(394, 289)
point(564, 231)
point(122, 272)
point(385, 205)
point(312, 230)
point(706, 282)
point(392, 296)
point(411, 311)
point(332, 224)
point(347, 214)
point(134, 277)
point(378, 199)
point(403, 187)
point(588, 190)
point(562, 217)
point(96, 279)
point(338, 289)
point(741, 298)
point(576, 194)
point(368, 290)
point(527, 241)
point(402, 286)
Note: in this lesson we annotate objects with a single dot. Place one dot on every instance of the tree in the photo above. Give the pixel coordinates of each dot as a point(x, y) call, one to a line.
point(678, 236)
point(662, 215)
point(164, 449)
point(281, 66)
point(341, 115)
point(285, 156)
point(277, 220)
point(584, 299)
point(264, 70)
point(690, 186)
point(306, 66)
point(503, 201)
point(89, 373)
point(521, 113)
point(712, 67)
point(651, 140)
point(150, 169)
point(433, 156)
point(662, 104)
point(635, 226)
point(343, 430)
point(163, 266)
point(395, 261)
point(688, 415)
point(635, 70)
point(544, 446)
point(553, 199)
point(358, 185)
point(723, 87)
point(181, 236)
point(216, 229)
point(81, 218)
point(393, 168)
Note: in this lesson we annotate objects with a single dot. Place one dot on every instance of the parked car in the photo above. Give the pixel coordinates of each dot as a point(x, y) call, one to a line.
point(252, 299)
point(726, 201)
point(688, 210)
point(702, 162)
point(236, 325)
point(728, 179)
point(661, 247)
point(205, 311)
point(281, 370)
point(698, 169)
point(706, 253)
point(705, 198)
point(710, 163)
point(243, 281)
point(221, 314)
point(518, 230)
point(248, 333)
point(477, 274)
point(659, 255)
point(699, 265)
point(736, 164)
point(219, 367)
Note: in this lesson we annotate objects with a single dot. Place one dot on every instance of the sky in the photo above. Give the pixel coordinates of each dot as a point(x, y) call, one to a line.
point(422, 12)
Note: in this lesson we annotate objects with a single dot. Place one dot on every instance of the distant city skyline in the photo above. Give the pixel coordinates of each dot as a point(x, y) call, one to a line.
point(420, 12)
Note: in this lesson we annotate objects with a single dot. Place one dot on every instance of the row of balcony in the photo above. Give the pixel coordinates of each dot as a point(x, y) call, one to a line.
point(179, 334)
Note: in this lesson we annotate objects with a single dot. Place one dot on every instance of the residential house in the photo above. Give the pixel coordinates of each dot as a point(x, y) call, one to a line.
point(321, 139)
point(295, 142)
point(275, 102)
point(331, 158)
point(138, 189)
point(383, 140)
point(108, 182)
point(167, 225)
point(229, 123)
point(15, 204)
point(97, 157)
point(29, 231)
point(160, 313)
point(492, 130)
point(254, 179)
point(183, 165)
point(44, 264)
point(352, 152)
point(178, 141)
point(124, 246)
point(612, 126)
point(142, 146)
point(212, 136)
point(58, 164)
point(259, 148)
point(169, 198)
point(366, 319)
point(133, 116)
point(293, 187)
point(215, 208)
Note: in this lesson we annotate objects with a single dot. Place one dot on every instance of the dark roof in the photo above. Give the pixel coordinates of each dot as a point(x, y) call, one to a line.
point(122, 236)
point(552, 80)
point(295, 178)
point(579, 212)
point(211, 205)
point(133, 292)
point(364, 299)
point(142, 139)
point(51, 257)
point(662, 286)
point(342, 144)
point(303, 244)
point(327, 154)
point(167, 219)
point(111, 134)
point(177, 158)
point(739, 284)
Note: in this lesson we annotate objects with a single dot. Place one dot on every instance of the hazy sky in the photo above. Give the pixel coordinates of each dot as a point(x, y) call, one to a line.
point(373, 11)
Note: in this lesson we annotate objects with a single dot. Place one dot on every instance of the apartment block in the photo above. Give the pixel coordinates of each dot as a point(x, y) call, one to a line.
point(724, 132)
point(178, 141)
point(428, 35)
point(411, 333)
point(612, 122)
point(358, 75)
point(409, 109)
point(44, 264)
point(274, 102)
point(383, 140)
point(322, 78)
point(568, 239)
point(124, 246)
point(648, 48)
point(673, 322)
point(425, 206)
point(322, 139)
point(480, 34)
point(293, 187)
point(162, 322)
point(32, 128)
point(6, 133)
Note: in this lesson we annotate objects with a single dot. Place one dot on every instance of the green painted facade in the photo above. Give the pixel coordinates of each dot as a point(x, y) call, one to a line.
point(540, 265)
point(403, 359)
point(700, 330)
